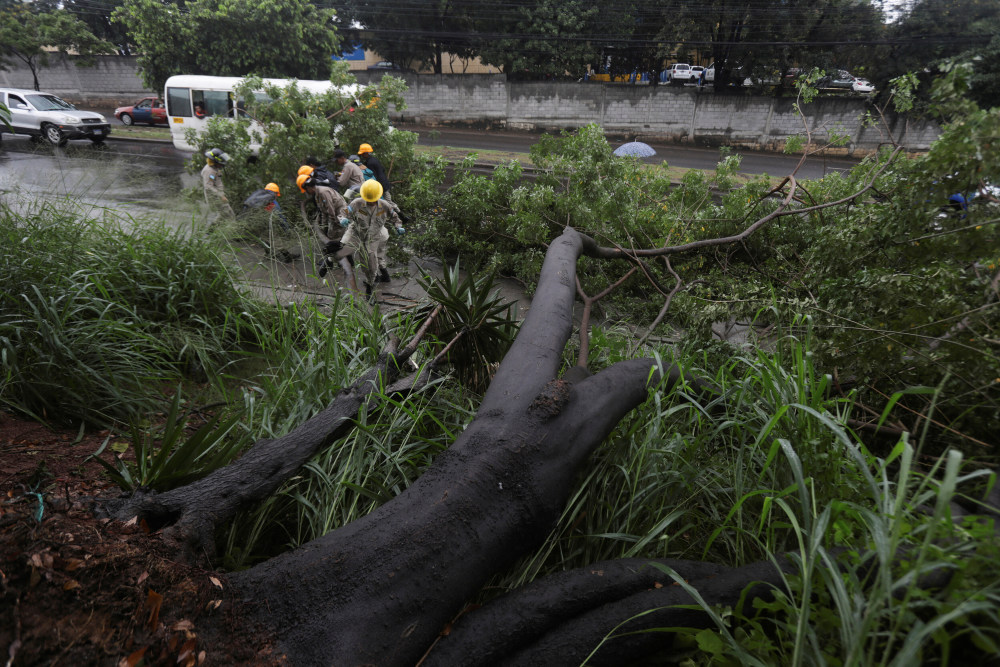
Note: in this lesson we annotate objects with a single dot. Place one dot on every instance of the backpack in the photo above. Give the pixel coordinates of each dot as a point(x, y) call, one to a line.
point(323, 177)
point(259, 199)
point(366, 173)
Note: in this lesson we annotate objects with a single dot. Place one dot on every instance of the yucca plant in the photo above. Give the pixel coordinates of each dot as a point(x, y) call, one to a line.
point(478, 319)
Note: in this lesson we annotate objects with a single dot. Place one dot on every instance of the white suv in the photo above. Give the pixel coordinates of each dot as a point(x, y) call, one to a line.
point(46, 116)
point(681, 73)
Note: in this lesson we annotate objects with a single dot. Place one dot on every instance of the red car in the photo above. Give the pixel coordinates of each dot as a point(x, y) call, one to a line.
point(147, 110)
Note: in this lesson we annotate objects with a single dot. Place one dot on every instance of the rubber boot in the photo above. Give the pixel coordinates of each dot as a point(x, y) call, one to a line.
point(383, 275)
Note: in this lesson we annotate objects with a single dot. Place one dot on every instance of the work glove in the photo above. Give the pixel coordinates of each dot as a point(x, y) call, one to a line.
point(400, 231)
point(402, 216)
point(344, 222)
point(332, 247)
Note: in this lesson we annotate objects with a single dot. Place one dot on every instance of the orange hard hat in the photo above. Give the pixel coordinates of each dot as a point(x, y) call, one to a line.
point(273, 187)
point(365, 148)
point(302, 181)
point(305, 169)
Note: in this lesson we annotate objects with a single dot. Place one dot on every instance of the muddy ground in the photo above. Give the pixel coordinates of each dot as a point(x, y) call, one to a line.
point(78, 590)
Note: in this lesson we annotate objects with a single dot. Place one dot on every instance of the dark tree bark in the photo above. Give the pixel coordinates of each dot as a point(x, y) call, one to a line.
point(379, 590)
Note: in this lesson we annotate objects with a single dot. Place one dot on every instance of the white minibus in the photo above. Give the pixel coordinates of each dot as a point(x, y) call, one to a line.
point(192, 99)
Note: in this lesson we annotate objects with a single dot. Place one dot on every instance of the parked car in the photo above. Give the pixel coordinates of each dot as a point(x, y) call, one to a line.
point(710, 74)
point(696, 71)
point(46, 116)
point(680, 73)
point(147, 110)
point(839, 79)
point(388, 66)
point(862, 86)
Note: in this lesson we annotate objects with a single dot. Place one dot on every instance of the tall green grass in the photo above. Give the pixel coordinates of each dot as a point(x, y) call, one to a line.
point(97, 312)
point(767, 468)
point(384, 454)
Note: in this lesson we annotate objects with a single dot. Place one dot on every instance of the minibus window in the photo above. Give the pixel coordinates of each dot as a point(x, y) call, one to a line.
point(179, 102)
point(211, 102)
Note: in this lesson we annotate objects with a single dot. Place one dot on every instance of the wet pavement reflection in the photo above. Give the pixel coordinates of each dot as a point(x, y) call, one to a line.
point(139, 179)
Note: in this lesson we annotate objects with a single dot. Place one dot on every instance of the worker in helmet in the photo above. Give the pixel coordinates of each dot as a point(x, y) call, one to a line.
point(367, 234)
point(319, 172)
point(364, 173)
point(331, 211)
point(351, 176)
point(266, 199)
point(211, 180)
point(367, 155)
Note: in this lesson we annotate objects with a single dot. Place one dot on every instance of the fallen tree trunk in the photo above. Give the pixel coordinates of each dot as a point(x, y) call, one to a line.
point(379, 590)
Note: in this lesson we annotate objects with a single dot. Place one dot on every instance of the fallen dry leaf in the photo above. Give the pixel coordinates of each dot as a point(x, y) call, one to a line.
point(71, 584)
point(182, 625)
point(133, 659)
point(201, 657)
point(215, 581)
point(213, 604)
point(153, 602)
point(142, 577)
point(187, 656)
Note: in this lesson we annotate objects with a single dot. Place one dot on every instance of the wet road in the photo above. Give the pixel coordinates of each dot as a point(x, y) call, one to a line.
point(138, 178)
point(145, 176)
point(689, 157)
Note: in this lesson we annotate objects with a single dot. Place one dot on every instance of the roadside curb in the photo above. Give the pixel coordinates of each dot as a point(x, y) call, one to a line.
point(114, 137)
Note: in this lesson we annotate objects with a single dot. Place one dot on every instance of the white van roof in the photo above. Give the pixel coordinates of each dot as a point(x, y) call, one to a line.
point(229, 82)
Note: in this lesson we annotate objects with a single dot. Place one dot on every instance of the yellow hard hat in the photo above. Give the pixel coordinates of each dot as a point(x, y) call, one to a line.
point(303, 180)
point(273, 187)
point(305, 169)
point(371, 190)
point(365, 148)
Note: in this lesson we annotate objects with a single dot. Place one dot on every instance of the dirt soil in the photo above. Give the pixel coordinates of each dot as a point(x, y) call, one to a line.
point(80, 590)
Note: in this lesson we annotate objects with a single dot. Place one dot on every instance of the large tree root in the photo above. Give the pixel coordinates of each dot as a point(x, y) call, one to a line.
point(505, 626)
point(190, 514)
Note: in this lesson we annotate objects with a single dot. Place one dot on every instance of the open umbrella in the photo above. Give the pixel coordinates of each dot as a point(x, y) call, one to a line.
point(635, 149)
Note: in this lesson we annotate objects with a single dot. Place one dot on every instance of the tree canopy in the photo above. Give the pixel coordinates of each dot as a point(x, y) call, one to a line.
point(270, 38)
point(25, 33)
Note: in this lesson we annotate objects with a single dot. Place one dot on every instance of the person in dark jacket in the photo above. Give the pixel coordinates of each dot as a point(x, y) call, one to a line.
point(267, 199)
point(367, 155)
point(320, 173)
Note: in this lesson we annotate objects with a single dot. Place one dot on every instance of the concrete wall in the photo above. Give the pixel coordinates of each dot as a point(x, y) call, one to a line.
point(112, 81)
point(685, 115)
